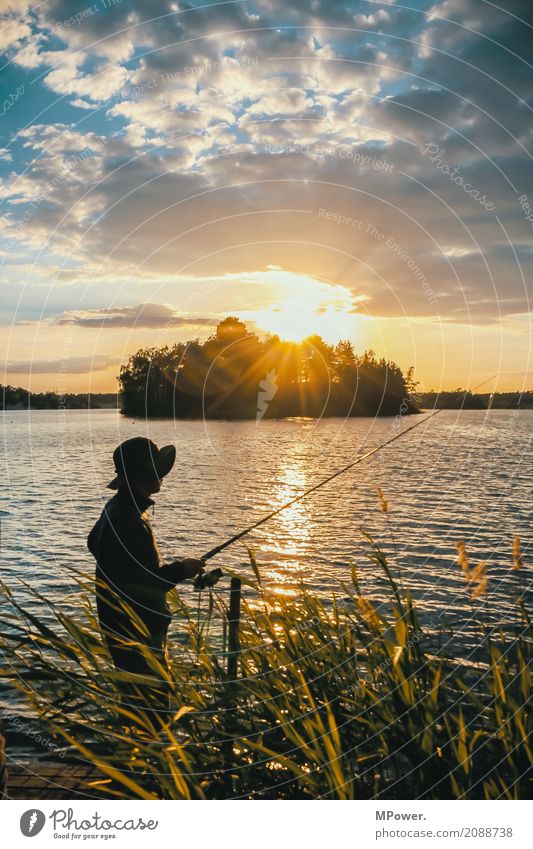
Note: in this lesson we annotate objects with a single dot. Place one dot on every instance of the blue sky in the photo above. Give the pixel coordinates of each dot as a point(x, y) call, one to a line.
point(359, 168)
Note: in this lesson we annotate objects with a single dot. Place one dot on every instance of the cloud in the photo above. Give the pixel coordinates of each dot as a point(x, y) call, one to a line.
point(68, 79)
point(181, 181)
point(140, 316)
point(13, 30)
point(69, 365)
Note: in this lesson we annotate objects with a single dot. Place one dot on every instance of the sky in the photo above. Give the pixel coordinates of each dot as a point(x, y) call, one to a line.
point(358, 169)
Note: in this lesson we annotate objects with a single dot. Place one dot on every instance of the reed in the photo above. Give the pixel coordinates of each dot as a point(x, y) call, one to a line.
point(336, 700)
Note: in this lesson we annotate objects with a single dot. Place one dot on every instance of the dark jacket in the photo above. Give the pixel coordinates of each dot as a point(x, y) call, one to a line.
point(128, 567)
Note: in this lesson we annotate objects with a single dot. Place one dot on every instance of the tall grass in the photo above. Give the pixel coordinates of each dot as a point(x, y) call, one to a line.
point(336, 700)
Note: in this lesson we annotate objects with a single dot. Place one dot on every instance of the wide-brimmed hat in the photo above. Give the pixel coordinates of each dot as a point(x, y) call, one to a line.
point(140, 459)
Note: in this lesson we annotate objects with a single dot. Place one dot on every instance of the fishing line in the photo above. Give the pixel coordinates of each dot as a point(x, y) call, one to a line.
point(322, 483)
point(311, 489)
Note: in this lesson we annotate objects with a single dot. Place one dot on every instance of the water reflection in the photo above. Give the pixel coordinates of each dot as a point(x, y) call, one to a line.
point(441, 483)
point(287, 539)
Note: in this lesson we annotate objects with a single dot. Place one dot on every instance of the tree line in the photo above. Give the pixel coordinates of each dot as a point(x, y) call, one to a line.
point(18, 398)
point(234, 374)
point(463, 399)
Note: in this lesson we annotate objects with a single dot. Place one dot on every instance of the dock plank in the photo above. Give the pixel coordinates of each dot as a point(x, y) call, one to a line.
point(52, 781)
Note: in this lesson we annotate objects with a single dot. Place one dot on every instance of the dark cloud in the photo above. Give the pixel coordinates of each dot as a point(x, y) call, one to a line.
point(140, 316)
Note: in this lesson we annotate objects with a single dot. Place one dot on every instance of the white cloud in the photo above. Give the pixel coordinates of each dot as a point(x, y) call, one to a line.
point(13, 31)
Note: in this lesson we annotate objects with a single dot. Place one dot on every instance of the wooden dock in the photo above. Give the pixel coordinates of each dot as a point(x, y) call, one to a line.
point(53, 781)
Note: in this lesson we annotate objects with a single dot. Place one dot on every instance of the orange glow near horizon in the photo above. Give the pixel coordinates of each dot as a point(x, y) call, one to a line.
point(301, 305)
point(445, 355)
point(294, 323)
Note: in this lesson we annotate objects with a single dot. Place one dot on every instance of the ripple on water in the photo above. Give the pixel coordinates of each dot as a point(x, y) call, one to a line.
point(466, 476)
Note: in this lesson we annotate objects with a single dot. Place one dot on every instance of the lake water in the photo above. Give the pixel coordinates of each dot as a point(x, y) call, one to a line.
point(463, 476)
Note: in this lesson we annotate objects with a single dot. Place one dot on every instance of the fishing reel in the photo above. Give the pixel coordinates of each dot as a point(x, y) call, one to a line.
point(206, 580)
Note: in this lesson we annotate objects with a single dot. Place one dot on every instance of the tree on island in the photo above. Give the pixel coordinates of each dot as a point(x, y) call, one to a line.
point(225, 377)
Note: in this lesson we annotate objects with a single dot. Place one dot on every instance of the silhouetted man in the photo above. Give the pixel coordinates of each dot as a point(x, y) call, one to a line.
point(128, 562)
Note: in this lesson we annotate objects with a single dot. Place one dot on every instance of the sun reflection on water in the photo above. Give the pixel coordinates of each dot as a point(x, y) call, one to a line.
point(287, 541)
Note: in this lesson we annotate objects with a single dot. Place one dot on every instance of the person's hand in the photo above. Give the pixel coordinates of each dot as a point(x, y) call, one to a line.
point(192, 567)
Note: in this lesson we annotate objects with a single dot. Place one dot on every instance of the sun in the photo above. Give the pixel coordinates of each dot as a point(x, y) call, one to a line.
point(299, 306)
point(292, 322)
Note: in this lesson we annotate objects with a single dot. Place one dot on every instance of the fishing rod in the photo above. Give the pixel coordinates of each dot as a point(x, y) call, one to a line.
point(311, 489)
point(210, 578)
